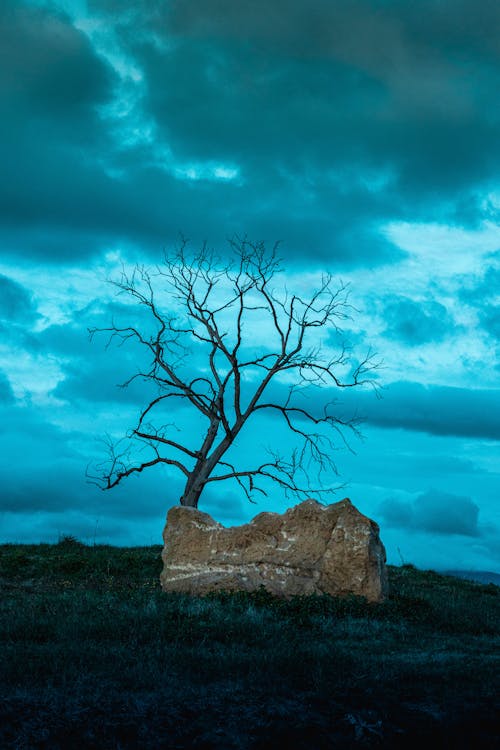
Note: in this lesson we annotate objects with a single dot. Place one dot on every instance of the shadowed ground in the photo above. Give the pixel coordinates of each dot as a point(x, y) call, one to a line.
point(94, 655)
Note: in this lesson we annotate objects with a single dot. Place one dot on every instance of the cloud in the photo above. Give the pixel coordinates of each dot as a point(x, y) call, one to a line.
point(50, 492)
point(52, 138)
point(44, 469)
point(490, 319)
point(315, 128)
point(434, 409)
point(396, 513)
point(484, 287)
point(369, 91)
point(6, 394)
point(48, 65)
point(482, 293)
point(16, 302)
point(99, 380)
point(416, 323)
point(94, 369)
point(438, 410)
point(433, 512)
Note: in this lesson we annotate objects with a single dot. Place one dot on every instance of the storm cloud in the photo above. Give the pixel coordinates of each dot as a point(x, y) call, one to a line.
point(433, 511)
point(269, 118)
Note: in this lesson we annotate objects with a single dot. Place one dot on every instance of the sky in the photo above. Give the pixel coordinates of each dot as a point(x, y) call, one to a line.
point(361, 135)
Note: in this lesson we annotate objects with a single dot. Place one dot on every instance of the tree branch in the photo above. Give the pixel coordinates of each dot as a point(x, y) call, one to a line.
point(213, 313)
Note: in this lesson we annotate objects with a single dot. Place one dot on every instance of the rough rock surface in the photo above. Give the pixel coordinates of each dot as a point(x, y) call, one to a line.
point(310, 549)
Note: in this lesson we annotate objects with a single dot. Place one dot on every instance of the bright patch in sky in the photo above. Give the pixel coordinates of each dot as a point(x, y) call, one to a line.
point(206, 172)
point(446, 251)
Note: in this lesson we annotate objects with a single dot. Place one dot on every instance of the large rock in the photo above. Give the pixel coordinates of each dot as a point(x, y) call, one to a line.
point(310, 549)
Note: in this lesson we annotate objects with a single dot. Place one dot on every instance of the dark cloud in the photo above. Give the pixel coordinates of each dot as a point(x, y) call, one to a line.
point(49, 69)
point(439, 410)
point(52, 137)
point(433, 409)
point(347, 25)
point(16, 302)
point(52, 480)
point(337, 120)
point(434, 512)
point(348, 88)
point(417, 323)
point(397, 513)
point(64, 487)
point(51, 465)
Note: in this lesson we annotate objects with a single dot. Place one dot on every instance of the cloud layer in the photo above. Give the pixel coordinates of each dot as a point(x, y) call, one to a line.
point(265, 118)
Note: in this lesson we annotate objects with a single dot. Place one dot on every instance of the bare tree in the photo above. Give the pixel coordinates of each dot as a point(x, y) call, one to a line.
point(215, 308)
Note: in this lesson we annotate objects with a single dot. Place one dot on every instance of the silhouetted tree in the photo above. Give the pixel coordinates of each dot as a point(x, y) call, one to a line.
point(215, 308)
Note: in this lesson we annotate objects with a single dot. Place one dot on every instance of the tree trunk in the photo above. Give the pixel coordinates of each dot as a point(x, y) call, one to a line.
point(205, 465)
point(194, 485)
point(190, 497)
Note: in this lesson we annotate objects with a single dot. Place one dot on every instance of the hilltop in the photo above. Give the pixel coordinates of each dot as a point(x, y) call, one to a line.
point(94, 655)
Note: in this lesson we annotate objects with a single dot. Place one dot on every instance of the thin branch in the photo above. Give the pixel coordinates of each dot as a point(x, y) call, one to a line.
point(231, 384)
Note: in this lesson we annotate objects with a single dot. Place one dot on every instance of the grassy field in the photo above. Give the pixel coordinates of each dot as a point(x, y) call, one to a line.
point(94, 655)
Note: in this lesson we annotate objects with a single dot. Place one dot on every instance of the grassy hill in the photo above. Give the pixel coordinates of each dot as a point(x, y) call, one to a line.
point(94, 655)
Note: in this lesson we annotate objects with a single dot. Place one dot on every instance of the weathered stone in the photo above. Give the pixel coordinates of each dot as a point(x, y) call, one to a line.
point(310, 549)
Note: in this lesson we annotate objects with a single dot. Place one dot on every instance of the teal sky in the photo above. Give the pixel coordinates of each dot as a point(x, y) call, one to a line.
point(362, 135)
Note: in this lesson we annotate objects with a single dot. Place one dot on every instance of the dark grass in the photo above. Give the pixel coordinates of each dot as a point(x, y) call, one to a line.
point(94, 655)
